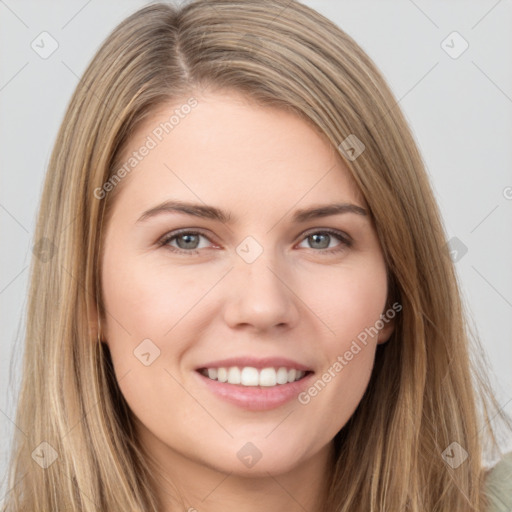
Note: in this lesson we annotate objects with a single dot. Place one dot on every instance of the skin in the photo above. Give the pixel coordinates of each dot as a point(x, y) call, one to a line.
point(295, 300)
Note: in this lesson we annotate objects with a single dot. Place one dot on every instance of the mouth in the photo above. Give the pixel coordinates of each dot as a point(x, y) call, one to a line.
point(249, 376)
point(258, 388)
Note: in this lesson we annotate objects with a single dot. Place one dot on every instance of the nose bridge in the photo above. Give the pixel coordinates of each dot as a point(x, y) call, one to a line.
point(259, 295)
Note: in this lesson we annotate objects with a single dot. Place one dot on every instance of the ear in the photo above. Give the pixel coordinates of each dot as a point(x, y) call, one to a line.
point(387, 329)
point(95, 326)
point(391, 310)
point(386, 332)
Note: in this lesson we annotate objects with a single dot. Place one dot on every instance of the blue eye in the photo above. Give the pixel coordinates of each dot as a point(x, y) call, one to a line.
point(322, 240)
point(187, 242)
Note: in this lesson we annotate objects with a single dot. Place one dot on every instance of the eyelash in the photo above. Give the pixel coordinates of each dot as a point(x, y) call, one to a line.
point(344, 239)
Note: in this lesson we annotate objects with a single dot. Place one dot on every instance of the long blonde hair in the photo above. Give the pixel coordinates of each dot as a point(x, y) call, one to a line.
point(425, 392)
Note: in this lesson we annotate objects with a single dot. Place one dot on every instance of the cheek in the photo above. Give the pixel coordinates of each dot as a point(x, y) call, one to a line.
point(143, 304)
point(157, 302)
point(135, 311)
point(350, 304)
point(348, 299)
point(147, 299)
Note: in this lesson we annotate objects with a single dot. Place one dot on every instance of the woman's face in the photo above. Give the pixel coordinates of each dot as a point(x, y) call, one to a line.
point(224, 256)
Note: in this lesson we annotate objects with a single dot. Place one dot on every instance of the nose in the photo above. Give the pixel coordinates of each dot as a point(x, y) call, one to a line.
point(260, 296)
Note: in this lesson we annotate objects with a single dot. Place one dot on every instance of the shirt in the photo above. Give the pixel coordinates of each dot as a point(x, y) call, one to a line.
point(499, 485)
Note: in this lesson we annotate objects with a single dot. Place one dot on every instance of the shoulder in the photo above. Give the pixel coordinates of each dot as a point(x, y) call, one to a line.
point(499, 485)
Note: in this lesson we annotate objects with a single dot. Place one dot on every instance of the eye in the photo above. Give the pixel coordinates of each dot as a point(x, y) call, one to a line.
point(322, 239)
point(187, 241)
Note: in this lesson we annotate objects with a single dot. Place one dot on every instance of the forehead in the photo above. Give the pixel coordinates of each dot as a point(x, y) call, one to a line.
point(226, 145)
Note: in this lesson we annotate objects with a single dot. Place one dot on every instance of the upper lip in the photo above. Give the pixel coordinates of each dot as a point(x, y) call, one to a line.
point(259, 363)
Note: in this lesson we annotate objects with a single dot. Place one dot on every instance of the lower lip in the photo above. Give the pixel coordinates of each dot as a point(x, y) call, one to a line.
point(256, 398)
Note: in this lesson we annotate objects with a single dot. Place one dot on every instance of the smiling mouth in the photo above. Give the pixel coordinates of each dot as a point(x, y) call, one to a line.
point(252, 377)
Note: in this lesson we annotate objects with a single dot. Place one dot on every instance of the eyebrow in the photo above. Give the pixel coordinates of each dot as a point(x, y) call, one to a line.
point(211, 212)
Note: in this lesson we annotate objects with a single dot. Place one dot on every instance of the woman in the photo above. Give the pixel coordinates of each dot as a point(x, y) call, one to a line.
point(206, 353)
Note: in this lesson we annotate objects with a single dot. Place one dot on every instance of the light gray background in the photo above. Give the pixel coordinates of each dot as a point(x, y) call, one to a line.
point(460, 110)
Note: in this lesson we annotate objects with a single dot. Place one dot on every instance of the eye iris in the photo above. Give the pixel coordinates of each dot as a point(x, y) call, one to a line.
point(189, 238)
point(315, 238)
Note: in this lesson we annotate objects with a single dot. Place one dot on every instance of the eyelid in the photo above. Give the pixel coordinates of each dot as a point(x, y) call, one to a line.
point(167, 237)
point(331, 231)
point(342, 236)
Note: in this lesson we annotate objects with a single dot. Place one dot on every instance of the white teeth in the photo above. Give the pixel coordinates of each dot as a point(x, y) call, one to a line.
point(234, 375)
point(222, 374)
point(249, 376)
point(268, 377)
point(282, 376)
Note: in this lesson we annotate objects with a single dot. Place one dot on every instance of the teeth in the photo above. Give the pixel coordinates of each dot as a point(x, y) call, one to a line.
point(222, 375)
point(282, 376)
point(249, 376)
point(234, 376)
point(268, 377)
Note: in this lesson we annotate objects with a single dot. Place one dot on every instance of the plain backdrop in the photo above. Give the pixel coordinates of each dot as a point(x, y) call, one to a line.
point(448, 63)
